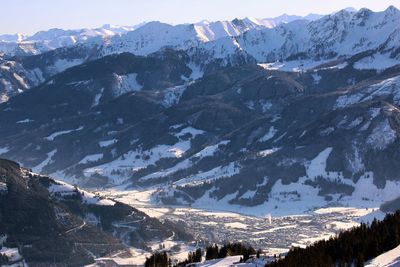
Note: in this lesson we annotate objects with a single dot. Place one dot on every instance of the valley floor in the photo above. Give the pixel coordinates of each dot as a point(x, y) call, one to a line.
point(273, 234)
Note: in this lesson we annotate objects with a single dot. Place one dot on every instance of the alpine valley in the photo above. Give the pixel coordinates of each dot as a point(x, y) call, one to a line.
point(275, 132)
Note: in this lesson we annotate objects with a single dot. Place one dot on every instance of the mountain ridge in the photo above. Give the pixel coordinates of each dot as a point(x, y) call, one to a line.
point(240, 121)
point(135, 139)
point(298, 44)
point(51, 222)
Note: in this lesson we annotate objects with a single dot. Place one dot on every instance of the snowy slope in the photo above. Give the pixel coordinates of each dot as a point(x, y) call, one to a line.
point(141, 42)
point(343, 33)
point(388, 259)
point(285, 18)
point(288, 43)
point(43, 41)
point(155, 35)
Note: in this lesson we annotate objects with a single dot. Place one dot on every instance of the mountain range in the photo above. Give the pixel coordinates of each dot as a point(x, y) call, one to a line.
point(20, 44)
point(264, 117)
point(66, 48)
point(257, 113)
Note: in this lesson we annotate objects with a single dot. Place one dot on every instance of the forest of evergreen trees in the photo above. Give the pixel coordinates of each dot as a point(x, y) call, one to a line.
point(349, 248)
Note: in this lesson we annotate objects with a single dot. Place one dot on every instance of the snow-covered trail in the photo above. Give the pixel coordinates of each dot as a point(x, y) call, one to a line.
point(79, 227)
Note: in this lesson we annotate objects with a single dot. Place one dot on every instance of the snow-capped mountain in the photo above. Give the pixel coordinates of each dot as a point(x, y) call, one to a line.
point(291, 45)
point(263, 117)
point(341, 34)
point(56, 36)
point(178, 35)
point(285, 18)
point(44, 41)
point(232, 112)
point(210, 31)
point(153, 36)
point(78, 46)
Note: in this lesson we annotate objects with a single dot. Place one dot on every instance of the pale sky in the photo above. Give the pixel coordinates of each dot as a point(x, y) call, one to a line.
point(29, 16)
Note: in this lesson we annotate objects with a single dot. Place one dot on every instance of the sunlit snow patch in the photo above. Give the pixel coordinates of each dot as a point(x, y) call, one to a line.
point(3, 150)
point(54, 135)
point(60, 188)
point(91, 158)
point(387, 259)
point(24, 121)
point(107, 143)
point(376, 61)
point(125, 165)
point(48, 160)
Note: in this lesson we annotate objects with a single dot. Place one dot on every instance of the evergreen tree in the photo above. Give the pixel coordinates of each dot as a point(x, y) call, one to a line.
point(3, 259)
point(158, 260)
point(197, 255)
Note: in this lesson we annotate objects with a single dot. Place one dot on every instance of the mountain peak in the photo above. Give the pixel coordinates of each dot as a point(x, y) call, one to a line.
point(252, 19)
point(312, 16)
point(392, 9)
point(17, 37)
point(156, 23)
point(364, 10)
point(350, 9)
point(203, 22)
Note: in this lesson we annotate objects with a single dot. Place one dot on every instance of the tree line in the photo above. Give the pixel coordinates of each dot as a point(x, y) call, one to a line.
point(161, 259)
point(230, 249)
